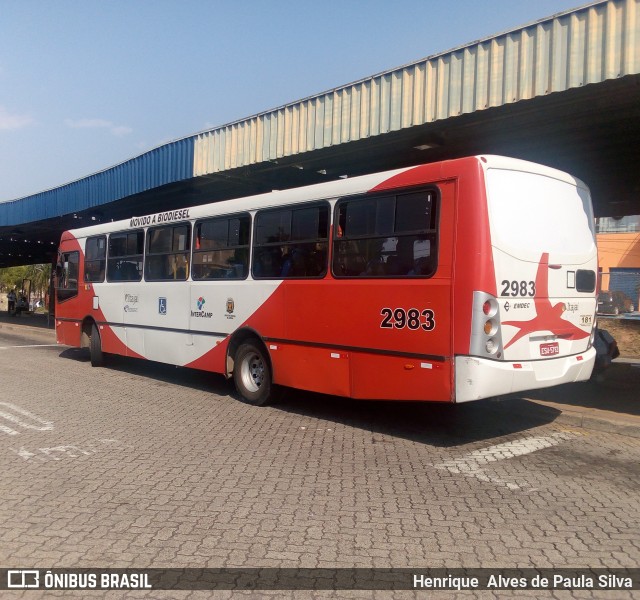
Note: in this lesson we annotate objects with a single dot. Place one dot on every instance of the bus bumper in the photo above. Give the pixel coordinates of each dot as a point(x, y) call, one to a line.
point(477, 378)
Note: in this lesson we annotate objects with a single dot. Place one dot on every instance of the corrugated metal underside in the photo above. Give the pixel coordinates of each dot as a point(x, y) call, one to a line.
point(166, 164)
point(592, 44)
point(573, 49)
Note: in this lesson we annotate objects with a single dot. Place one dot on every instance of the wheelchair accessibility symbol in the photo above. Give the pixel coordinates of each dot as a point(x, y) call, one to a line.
point(162, 306)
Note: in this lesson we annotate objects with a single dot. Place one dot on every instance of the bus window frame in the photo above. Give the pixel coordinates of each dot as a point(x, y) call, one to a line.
point(125, 256)
point(95, 260)
point(68, 293)
point(291, 243)
point(187, 252)
point(247, 246)
point(435, 232)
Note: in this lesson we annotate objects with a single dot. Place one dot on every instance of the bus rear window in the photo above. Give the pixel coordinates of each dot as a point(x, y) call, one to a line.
point(386, 236)
point(530, 214)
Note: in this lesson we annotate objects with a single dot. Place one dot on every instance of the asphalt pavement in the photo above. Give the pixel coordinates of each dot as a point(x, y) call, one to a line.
point(610, 402)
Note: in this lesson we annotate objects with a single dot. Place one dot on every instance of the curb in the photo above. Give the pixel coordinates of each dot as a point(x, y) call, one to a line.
point(596, 423)
point(592, 418)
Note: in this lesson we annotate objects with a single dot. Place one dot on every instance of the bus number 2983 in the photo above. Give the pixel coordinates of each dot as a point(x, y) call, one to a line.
point(413, 319)
point(518, 288)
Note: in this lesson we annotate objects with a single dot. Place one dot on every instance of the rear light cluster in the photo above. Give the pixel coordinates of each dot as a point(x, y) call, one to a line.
point(486, 336)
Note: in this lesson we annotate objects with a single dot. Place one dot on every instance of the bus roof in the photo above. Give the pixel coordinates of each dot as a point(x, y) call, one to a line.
point(321, 191)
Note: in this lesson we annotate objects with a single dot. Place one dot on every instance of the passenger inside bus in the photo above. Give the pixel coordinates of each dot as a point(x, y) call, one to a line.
point(268, 263)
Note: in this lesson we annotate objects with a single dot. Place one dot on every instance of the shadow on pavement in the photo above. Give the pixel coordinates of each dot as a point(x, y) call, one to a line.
point(614, 393)
point(437, 424)
point(617, 389)
point(168, 374)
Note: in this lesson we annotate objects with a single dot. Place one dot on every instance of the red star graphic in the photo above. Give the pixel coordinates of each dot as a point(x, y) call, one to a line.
point(548, 317)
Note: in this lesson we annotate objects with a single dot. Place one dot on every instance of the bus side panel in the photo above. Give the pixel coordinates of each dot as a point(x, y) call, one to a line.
point(314, 369)
point(398, 378)
point(473, 258)
point(68, 333)
point(112, 342)
point(68, 328)
point(81, 306)
point(373, 338)
point(214, 359)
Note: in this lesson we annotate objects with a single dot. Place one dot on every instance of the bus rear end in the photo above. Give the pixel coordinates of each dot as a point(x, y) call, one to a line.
point(532, 316)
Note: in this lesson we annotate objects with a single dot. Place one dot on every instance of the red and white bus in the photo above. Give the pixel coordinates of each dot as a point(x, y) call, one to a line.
point(451, 282)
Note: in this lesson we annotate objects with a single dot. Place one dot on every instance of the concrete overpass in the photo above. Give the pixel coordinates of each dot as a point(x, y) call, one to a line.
point(563, 91)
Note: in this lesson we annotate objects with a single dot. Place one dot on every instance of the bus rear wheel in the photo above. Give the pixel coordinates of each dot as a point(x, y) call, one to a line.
point(252, 374)
point(95, 348)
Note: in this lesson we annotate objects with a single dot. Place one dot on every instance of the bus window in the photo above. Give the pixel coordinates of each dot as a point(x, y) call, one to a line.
point(221, 249)
point(67, 280)
point(291, 243)
point(386, 236)
point(95, 259)
point(168, 253)
point(124, 262)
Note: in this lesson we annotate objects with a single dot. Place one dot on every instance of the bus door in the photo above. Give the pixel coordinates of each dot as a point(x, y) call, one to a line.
point(118, 300)
point(220, 298)
point(162, 309)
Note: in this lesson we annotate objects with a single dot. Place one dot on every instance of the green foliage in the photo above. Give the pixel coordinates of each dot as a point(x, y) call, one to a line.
point(11, 277)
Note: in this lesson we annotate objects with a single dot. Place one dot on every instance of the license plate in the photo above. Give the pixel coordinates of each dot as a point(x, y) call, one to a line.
point(549, 349)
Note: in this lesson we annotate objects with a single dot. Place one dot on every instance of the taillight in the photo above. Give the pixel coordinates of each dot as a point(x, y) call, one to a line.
point(486, 336)
point(490, 327)
point(491, 346)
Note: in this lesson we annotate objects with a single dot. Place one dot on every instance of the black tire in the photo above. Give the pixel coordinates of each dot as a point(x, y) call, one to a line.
point(252, 374)
point(95, 348)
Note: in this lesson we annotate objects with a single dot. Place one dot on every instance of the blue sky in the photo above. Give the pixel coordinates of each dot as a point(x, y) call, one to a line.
point(86, 84)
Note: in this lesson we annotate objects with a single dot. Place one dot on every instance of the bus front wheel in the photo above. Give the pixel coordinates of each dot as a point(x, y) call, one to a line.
point(252, 374)
point(95, 348)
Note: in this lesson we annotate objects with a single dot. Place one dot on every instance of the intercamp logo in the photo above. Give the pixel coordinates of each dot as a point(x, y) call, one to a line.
point(200, 313)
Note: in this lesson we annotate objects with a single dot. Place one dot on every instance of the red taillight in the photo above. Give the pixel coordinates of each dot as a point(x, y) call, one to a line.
point(486, 307)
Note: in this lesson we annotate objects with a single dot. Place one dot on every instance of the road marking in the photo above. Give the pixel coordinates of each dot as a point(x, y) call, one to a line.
point(472, 464)
point(29, 346)
point(11, 417)
point(63, 451)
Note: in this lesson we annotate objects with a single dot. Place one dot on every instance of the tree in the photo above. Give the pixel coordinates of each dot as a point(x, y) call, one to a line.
point(40, 276)
point(11, 277)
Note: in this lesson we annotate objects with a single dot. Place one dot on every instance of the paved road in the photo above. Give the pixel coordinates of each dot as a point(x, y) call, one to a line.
point(143, 465)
